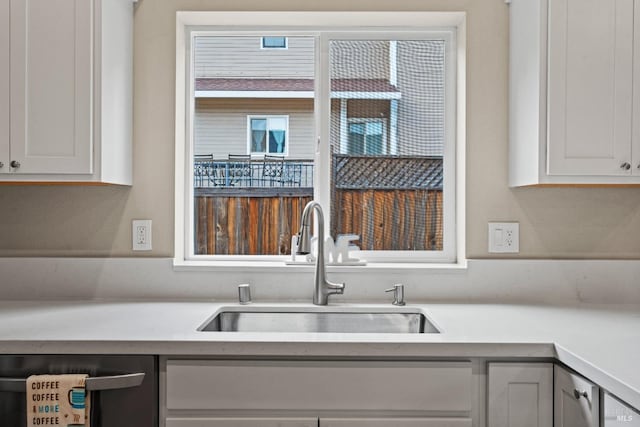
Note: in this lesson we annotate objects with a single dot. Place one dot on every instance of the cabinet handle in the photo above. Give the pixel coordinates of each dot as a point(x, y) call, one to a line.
point(577, 394)
point(14, 164)
point(626, 166)
point(19, 385)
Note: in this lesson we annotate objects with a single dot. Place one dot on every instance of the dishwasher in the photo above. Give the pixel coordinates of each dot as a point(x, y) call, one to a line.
point(124, 389)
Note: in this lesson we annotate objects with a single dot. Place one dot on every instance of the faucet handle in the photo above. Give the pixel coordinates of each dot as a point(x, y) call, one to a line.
point(398, 294)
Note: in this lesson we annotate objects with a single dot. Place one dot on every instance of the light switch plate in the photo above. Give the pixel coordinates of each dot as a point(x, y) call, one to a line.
point(504, 237)
point(141, 234)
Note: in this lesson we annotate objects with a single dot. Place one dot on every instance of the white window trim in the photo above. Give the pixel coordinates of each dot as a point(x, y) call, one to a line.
point(267, 117)
point(303, 23)
point(263, 47)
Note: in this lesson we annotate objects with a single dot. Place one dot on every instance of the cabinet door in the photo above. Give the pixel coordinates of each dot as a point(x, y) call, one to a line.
point(395, 422)
point(520, 395)
point(617, 414)
point(242, 422)
point(636, 91)
point(4, 85)
point(590, 87)
point(576, 401)
point(51, 86)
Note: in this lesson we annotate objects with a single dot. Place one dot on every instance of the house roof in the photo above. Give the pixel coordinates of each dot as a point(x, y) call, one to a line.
point(298, 88)
point(387, 172)
point(254, 84)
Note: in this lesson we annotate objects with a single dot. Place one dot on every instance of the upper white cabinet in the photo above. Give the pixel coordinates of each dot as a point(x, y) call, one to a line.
point(5, 37)
point(70, 97)
point(576, 400)
point(574, 96)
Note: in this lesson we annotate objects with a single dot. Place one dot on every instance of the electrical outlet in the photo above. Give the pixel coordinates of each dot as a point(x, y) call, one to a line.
point(504, 237)
point(141, 234)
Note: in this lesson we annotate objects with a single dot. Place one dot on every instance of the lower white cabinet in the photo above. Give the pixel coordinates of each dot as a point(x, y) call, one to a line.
point(576, 400)
point(520, 395)
point(238, 393)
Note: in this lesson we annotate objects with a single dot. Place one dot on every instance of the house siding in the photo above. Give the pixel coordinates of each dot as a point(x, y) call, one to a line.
point(220, 125)
point(360, 59)
point(421, 112)
point(242, 57)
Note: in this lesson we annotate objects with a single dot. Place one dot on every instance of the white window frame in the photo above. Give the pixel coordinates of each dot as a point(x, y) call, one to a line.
point(326, 26)
point(365, 120)
point(285, 47)
point(267, 117)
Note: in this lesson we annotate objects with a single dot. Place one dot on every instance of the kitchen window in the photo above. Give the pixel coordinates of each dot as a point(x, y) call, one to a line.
point(363, 117)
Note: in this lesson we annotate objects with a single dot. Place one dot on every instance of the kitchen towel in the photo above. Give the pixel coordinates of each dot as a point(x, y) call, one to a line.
point(57, 400)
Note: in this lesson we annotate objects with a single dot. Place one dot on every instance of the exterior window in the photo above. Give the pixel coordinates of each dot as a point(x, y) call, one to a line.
point(274, 42)
point(268, 135)
point(366, 137)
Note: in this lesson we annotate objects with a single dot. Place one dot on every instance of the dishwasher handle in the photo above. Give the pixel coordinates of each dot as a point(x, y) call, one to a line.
point(115, 382)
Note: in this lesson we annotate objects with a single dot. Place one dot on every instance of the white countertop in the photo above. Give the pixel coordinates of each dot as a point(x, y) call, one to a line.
point(602, 342)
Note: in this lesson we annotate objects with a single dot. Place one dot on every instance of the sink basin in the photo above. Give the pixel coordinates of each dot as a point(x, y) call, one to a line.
point(273, 320)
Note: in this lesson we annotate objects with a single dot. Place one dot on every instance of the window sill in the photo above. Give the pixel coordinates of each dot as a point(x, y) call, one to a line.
point(280, 266)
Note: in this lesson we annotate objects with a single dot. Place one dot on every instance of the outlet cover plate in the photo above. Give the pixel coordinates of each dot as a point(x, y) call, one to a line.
point(504, 237)
point(141, 234)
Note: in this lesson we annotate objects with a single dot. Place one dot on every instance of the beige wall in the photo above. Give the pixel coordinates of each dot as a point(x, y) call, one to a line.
point(555, 222)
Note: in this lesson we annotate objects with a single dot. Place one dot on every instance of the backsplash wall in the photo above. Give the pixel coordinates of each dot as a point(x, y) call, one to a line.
point(96, 221)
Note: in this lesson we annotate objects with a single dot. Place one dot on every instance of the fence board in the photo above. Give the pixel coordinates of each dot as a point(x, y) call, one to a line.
point(210, 226)
point(367, 220)
point(399, 234)
point(253, 219)
point(201, 226)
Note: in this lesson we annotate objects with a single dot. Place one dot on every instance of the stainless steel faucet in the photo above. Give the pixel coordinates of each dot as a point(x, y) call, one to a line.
point(323, 287)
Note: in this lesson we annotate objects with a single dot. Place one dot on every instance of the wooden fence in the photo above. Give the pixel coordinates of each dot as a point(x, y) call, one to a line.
point(385, 220)
point(247, 225)
point(390, 219)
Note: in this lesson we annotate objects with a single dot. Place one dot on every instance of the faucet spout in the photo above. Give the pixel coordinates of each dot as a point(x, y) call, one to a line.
point(322, 286)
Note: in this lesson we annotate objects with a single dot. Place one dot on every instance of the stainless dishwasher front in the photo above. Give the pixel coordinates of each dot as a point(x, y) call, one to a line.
point(124, 388)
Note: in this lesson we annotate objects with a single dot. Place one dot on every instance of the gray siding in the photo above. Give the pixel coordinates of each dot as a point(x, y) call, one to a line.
point(359, 59)
point(220, 125)
point(421, 109)
point(242, 57)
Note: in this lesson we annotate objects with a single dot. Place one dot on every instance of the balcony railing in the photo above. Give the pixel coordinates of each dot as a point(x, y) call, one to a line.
point(253, 173)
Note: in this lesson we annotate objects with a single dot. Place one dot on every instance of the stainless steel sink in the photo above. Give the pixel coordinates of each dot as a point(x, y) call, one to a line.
point(270, 320)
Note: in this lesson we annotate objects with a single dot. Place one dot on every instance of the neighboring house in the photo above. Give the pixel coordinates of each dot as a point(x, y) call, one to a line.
point(254, 95)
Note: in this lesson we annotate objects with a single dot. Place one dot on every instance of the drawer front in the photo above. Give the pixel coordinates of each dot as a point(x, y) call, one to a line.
point(242, 422)
point(395, 422)
point(394, 386)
